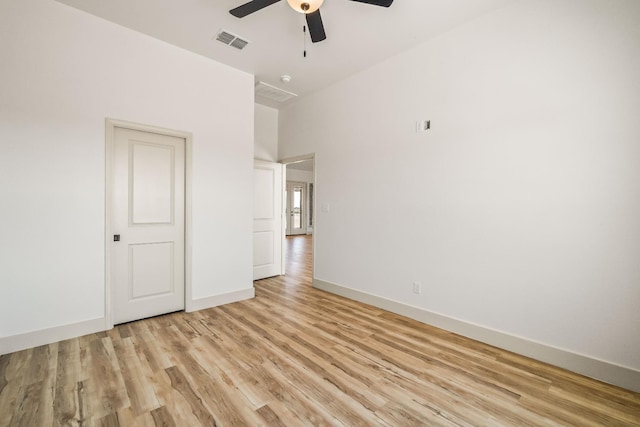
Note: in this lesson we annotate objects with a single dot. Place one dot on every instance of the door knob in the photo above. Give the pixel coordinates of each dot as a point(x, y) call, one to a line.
point(116, 237)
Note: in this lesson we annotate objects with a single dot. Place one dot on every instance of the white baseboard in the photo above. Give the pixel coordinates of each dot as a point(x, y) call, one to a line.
point(216, 300)
point(611, 373)
point(19, 342)
point(50, 335)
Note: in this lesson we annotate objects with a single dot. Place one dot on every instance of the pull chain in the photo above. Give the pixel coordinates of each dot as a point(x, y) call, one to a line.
point(304, 40)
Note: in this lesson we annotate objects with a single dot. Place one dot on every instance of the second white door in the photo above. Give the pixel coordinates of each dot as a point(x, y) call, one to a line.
point(267, 219)
point(147, 221)
point(296, 208)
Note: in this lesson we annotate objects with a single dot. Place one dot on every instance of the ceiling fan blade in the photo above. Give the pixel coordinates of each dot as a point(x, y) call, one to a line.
point(253, 6)
point(316, 29)
point(383, 3)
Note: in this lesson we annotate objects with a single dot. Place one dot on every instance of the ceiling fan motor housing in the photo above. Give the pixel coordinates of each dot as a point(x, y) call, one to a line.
point(305, 6)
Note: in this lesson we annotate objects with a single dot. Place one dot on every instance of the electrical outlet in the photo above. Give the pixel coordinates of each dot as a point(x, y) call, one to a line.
point(417, 287)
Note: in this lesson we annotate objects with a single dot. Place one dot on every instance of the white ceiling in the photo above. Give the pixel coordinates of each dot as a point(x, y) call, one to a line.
point(358, 35)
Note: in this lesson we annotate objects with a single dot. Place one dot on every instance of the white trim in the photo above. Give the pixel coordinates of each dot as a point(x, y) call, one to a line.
point(110, 126)
point(297, 159)
point(612, 373)
point(283, 219)
point(222, 299)
point(50, 335)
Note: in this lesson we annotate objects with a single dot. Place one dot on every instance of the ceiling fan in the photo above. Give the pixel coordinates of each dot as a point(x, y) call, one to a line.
point(311, 8)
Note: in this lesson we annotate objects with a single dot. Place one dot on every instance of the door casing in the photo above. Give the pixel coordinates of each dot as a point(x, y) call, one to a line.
point(110, 126)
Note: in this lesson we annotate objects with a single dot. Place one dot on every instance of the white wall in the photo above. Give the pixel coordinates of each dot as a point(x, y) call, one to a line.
point(520, 210)
point(299, 175)
point(265, 133)
point(63, 72)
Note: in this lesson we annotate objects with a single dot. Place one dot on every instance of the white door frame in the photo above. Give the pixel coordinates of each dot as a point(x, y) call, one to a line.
point(297, 159)
point(110, 126)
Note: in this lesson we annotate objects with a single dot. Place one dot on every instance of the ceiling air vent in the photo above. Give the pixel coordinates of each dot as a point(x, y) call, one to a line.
point(231, 39)
point(265, 90)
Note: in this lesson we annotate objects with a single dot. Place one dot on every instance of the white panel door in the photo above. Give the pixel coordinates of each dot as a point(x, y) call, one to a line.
point(147, 221)
point(267, 219)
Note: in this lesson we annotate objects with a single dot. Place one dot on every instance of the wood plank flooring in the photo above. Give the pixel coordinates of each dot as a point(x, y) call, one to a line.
point(294, 356)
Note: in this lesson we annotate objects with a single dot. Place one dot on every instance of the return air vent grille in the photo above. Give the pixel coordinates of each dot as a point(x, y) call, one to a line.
point(273, 93)
point(239, 43)
point(231, 39)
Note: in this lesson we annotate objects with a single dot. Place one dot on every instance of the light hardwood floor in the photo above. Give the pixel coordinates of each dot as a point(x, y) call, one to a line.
point(294, 356)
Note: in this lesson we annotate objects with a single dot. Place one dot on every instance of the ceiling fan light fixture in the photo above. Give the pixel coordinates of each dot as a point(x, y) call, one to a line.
point(305, 6)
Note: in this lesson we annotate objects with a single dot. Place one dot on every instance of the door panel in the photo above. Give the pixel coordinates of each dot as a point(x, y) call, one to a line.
point(267, 219)
point(263, 248)
point(152, 192)
point(151, 267)
point(263, 197)
point(147, 263)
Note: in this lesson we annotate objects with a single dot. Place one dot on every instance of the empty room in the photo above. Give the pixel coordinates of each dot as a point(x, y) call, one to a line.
point(319, 212)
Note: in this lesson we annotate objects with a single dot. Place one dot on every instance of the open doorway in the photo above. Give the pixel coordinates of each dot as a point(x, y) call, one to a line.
point(299, 216)
point(296, 207)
